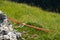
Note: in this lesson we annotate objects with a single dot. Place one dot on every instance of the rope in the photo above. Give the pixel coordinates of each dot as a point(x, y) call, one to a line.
point(42, 29)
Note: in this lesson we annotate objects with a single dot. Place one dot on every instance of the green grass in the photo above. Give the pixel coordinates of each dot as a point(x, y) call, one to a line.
point(25, 13)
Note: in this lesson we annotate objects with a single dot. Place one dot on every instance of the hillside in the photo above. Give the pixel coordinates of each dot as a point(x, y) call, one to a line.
point(26, 13)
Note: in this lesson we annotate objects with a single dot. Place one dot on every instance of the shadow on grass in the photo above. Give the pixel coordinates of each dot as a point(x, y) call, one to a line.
point(47, 5)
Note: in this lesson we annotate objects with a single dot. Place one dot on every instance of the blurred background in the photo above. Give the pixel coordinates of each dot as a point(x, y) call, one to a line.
point(40, 13)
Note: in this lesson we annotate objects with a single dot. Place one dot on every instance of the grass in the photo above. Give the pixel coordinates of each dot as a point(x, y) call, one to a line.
point(24, 13)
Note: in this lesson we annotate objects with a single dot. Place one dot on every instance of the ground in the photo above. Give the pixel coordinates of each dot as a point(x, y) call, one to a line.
point(25, 13)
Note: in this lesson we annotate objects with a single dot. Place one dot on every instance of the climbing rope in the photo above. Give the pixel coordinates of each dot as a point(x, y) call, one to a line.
point(24, 24)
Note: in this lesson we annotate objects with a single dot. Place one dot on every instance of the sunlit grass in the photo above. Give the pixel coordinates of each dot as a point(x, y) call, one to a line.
point(25, 13)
